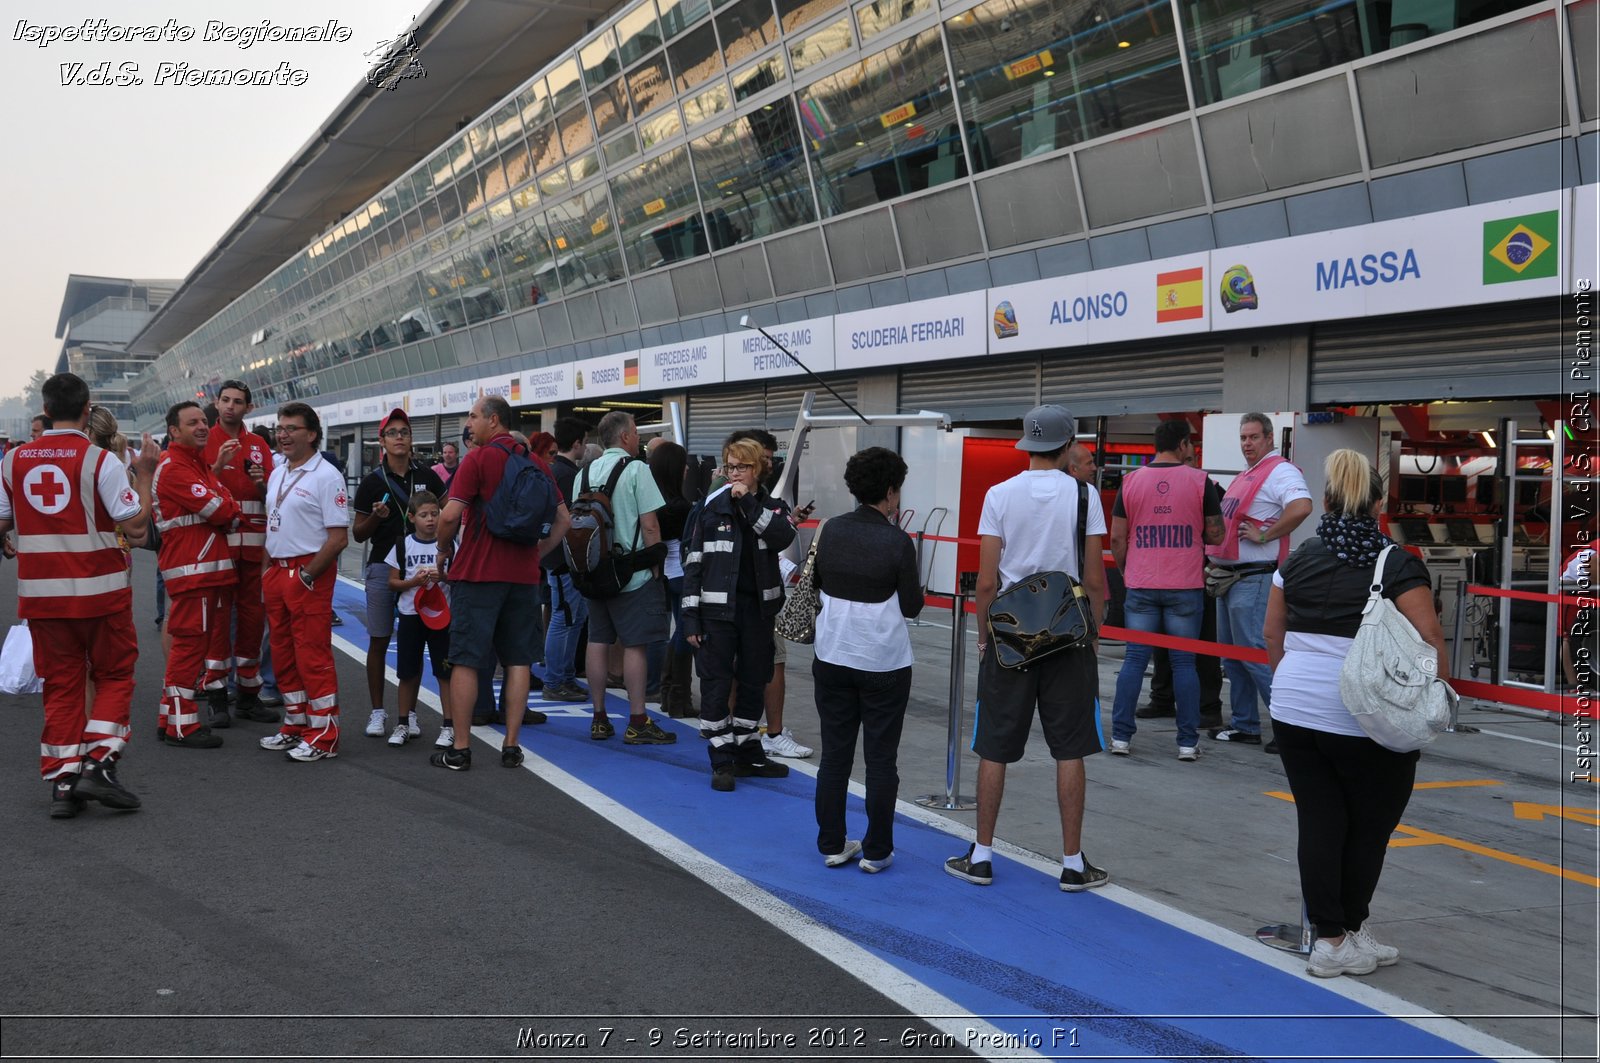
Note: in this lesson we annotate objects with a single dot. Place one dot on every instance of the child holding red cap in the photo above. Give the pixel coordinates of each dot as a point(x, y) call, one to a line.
point(414, 564)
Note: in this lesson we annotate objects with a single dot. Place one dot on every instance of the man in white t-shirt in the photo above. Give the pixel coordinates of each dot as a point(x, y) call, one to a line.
point(308, 524)
point(1030, 524)
point(1263, 505)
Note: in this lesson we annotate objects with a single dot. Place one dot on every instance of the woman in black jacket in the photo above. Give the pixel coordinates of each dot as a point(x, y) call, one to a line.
point(867, 578)
point(732, 592)
point(1349, 792)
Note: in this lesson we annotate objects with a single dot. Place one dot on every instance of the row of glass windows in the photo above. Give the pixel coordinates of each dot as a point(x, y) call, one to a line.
point(509, 213)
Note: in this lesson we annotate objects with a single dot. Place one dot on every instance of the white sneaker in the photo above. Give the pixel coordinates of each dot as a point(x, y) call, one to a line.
point(1386, 955)
point(413, 728)
point(1121, 748)
point(851, 850)
point(872, 867)
point(1188, 752)
point(446, 739)
point(399, 735)
point(377, 724)
point(784, 745)
point(1329, 960)
point(305, 753)
point(279, 742)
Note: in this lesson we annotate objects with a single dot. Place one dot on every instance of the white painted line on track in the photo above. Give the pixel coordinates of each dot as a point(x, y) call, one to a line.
point(1522, 738)
point(913, 995)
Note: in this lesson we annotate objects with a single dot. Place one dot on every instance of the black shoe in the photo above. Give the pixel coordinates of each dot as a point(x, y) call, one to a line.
point(1271, 747)
point(250, 708)
point(1229, 734)
point(64, 800)
point(534, 716)
point(218, 699)
point(1208, 720)
point(1089, 878)
point(480, 720)
point(454, 759)
point(511, 757)
point(535, 683)
point(962, 867)
point(764, 769)
point(568, 691)
point(722, 780)
point(199, 738)
point(1152, 711)
point(99, 783)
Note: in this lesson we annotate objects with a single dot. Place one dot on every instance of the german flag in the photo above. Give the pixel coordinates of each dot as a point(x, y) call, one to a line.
point(630, 372)
point(1180, 295)
point(516, 390)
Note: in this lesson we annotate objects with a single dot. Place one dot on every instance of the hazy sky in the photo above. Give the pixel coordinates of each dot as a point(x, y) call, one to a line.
point(142, 180)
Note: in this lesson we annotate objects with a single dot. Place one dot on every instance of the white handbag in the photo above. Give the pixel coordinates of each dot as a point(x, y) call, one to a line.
point(16, 662)
point(1390, 681)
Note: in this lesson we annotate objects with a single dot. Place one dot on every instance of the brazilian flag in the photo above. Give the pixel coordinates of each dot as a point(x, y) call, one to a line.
point(1522, 248)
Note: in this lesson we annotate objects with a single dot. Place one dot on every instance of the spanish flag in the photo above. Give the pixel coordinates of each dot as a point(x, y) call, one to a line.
point(630, 373)
point(1180, 295)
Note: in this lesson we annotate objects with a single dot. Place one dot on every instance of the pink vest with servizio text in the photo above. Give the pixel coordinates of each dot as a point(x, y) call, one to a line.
point(1236, 507)
point(1165, 509)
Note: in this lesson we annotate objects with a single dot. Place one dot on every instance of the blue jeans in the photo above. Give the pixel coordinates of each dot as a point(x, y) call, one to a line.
point(569, 616)
point(1171, 612)
point(658, 650)
point(1242, 621)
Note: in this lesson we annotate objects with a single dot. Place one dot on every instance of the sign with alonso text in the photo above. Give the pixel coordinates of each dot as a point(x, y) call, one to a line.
point(749, 355)
point(925, 331)
point(688, 364)
point(1149, 299)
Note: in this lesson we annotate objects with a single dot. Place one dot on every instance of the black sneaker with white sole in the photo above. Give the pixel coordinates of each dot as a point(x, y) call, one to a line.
point(99, 783)
point(452, 758)
point(1233, 734)
point(962, 867)
point(1087, 879)
point(762, 769)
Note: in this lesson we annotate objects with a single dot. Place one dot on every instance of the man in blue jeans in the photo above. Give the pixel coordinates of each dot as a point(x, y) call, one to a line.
point(1164, 516)
point(569, 612)
point(1264, 504)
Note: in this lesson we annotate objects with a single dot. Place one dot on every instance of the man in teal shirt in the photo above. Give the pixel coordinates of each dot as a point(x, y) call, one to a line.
point(638, 616)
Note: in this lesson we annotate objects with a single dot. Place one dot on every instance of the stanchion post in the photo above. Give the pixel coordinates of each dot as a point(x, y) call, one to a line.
point(916, 621)
point(1455, 725)
point(952, 800)
point(1286, 937)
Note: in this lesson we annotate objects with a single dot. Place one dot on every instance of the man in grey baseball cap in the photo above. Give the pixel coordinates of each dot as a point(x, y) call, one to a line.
point(1030, 525)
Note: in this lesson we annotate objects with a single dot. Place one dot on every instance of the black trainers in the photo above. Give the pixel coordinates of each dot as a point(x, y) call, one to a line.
point(1087, 879)
point(722, 779)
point(1151, 711)
point(1271, 747)
point(511, 757)
point(600, 729)
point(650, 734)
point(99, 783)
point(569, 692)
point(64, 800)
point(454, 759)
point(533, 716)
point(218, 700)
point(199, 738)
point(762, 769)
point(535, 683)
point(1230, 734)
point(250, 707)
point(962, 867)
point(1209, 720)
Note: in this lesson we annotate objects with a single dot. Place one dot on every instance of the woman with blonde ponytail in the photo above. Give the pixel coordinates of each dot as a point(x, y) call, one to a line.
point(1349, 791)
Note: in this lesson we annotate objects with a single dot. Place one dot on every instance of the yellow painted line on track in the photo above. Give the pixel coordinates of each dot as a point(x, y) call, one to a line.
point(1417, 837)
point(1456, 784)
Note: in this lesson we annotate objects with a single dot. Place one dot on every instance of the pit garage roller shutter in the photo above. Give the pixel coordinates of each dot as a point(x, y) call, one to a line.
point(715, 412)
point(1001, 389)
point(451, 427)
point(783, 403)
point(1135, 378)
point(1507, 350)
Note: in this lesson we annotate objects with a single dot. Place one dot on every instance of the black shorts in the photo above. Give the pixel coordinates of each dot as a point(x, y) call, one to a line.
point(415, 636)
point(1064, 688)
point(493, 623)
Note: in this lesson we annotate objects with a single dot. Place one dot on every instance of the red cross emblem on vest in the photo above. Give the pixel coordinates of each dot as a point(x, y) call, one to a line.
point(47, 489)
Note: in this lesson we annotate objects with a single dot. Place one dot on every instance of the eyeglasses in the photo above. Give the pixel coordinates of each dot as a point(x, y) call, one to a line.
point(287, 429)
point(735, 470)
point(397, 433)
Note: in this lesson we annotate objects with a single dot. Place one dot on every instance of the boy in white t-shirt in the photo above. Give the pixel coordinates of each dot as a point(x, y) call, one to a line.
point(414, 564)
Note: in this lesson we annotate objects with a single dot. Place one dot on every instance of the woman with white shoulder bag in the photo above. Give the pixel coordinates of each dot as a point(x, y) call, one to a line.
point(1349, 790)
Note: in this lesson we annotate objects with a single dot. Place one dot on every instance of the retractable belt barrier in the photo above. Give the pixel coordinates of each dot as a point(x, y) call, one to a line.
point(1586, 598)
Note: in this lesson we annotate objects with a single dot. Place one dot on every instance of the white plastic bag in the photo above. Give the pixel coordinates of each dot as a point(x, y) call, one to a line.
point(16, 662)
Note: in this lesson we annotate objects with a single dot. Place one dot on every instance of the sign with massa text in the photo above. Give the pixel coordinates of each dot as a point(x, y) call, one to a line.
point(748, 355)
point(924, 331)
point(687, 364)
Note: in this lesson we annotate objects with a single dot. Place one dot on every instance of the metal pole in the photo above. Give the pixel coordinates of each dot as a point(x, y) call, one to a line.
point(1456, 726)
point(952, 800)
point(916, 621)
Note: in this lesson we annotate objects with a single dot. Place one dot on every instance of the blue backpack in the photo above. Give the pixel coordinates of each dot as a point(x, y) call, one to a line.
point(523, 508)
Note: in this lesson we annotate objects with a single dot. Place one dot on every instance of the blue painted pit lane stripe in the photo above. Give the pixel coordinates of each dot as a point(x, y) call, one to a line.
point(1015, 953)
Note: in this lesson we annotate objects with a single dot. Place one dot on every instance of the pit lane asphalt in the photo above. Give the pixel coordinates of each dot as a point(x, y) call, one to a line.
point(429, 912)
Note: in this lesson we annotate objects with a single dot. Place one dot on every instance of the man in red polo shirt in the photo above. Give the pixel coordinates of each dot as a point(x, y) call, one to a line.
point(494, 604)
point(242, 461)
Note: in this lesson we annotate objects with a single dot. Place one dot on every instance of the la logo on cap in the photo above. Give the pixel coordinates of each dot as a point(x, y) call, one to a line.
point(1037, 430)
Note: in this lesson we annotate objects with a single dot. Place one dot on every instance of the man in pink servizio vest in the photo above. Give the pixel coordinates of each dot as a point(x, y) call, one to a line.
point(1262, 506)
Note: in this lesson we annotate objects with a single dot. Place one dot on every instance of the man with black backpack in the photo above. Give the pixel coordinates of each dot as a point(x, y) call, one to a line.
point(613, 553)
point(506, 504)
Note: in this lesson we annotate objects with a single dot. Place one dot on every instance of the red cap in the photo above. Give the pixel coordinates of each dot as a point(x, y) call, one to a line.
point(433, 606)
point(396, 414)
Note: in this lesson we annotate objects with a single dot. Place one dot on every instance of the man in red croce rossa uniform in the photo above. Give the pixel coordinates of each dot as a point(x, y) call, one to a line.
point(66, 499)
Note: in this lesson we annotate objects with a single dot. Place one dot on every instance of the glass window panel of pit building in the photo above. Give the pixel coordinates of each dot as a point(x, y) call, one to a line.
point(1038, 75)
point(752, 176)
point(883, 127)
point(658, 212)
